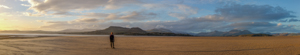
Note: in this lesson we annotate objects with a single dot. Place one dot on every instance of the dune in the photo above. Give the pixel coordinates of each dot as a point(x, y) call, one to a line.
point(151, 45)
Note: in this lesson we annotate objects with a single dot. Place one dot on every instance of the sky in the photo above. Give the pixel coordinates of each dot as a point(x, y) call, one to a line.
point(190, 16)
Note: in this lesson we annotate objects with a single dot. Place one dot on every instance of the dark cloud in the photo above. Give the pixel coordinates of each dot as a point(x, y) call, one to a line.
point(261, 27)
point(289, 20)
point(252, 24)
point(294, 20)
point(249, 25)
point(238, 12)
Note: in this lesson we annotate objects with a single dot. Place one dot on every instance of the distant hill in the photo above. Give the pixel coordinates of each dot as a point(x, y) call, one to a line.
point(214, 33)
point(136, 30)
point(161, 30)
point(230, 33)
point(115, 29)
point(77, 30)
point(126, 31)
point(255, 35)
point(118, 30)
point(237, 32)
point(286, 34)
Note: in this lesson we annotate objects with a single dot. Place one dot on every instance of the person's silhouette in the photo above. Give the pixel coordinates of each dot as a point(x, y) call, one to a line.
point(112, 39)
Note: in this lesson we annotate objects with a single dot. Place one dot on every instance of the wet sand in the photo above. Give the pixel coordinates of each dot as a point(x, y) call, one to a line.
point(147, 45)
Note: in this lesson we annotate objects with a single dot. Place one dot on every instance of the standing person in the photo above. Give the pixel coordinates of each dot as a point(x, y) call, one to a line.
point(112, 39)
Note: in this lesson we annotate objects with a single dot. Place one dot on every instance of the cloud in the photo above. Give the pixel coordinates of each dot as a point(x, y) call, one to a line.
point(89, 20)
point(185, 25)
point(238, 12)
point(206, 1)
point(152, 6)
point(136, 16)
point(249, 25)
point(128, 16)
point(201, 24)
point(3, 6)
point(73, 24)
point(26, 5)
point(256, 18)
point(30, 14)
point(294, 20)
point(116, 4)
point(254, 24)
point(23, 0)
point(289, 20)
point(178, 15)
point(187, 9)
point(40, 20)
point(179, 11)
point(5, 14)
point(279, 24)
point(56, 22)
point(208, 18)
point(183, 11)
point(64, 6)
point(261, 27)
point(3, 19)
point(95, 15)
point(111, 17)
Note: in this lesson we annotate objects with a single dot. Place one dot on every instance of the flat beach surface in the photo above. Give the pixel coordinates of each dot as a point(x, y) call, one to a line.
point(148, 45)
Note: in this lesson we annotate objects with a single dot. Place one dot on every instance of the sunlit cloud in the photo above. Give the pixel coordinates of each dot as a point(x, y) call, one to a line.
point(26, 5)
point(23, 0)
point(30, 14)
point(5, 14)
point(59, 6)
point(3, 19)
point(3, 6)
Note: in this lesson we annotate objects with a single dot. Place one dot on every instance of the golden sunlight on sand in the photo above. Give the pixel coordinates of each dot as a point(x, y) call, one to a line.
point(148, 45)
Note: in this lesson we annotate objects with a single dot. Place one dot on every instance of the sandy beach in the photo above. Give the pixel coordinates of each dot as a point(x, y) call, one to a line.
point(148, 45)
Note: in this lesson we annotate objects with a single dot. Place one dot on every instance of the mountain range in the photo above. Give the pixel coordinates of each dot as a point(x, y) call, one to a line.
point(161, 30)
point(77, 30)
point(229, 33)
point(138, 31)
point(130, 31)
point(118, 30)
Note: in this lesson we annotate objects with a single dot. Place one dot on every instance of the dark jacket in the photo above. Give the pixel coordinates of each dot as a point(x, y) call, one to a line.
point(112, 38)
